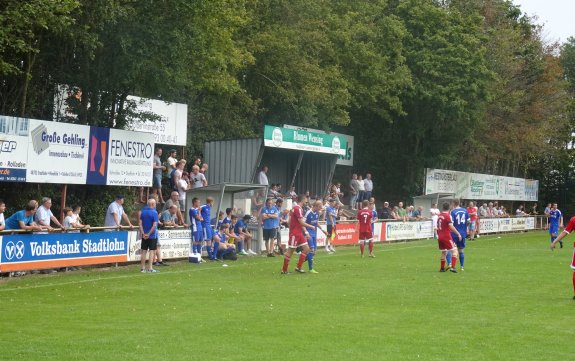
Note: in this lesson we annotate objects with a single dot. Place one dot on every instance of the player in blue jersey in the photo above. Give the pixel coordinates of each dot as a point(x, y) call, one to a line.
point(555, 223)
point(330, 217)
point(311, 218)
point(206, 213)
point(460, 218)
point(373, 214)
point(241, 229)
point(270, 223)
point(197, 232)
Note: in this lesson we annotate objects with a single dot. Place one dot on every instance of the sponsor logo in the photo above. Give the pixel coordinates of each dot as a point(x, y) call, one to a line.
point(14, 250)
point(277, 137)
point(335, 144)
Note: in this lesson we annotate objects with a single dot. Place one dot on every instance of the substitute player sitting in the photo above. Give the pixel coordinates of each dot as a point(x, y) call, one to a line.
point(570, 227)
point(298, 235)
point(365, 216)
point(444, 229)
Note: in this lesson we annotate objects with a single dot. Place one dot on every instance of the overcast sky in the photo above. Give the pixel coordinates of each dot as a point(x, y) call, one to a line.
point(557, 16)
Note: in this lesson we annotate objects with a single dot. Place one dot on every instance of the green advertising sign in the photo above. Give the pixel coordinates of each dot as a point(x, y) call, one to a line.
point(284, 138)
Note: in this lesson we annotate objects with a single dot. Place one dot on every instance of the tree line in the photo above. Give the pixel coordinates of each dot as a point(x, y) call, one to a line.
point(468, 85)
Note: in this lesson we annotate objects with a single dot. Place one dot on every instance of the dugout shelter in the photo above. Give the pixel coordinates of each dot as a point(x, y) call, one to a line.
point(299, 158)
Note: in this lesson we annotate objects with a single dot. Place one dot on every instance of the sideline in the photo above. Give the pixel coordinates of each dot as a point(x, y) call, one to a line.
point(343, 252)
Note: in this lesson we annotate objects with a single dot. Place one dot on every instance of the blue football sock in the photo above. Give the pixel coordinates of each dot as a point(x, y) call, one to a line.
point(310, 259)
point(448, 257)
point(553, 238)
point(240, 246)
point(461, 258)
point(215, 248)
point(209, 250)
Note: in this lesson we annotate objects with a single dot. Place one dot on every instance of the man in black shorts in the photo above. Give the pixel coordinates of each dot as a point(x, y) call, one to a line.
point(270, 223)
point(149, 234)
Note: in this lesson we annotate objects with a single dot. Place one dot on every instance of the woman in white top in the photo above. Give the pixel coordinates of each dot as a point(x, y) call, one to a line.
point(434, 211)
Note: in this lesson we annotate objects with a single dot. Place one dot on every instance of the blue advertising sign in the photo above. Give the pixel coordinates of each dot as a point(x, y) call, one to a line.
point(34, 251)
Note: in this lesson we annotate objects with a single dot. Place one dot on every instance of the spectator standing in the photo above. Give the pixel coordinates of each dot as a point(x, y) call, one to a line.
point(262, 176)
point(172, 160)
point(197, 179)
point(368, 184)
point(204, 168)
point(183, 186)
point(353, 191)
point(473, 219)
point(158, 171)
point(270, 221)
point(115, 213)
point(361, 192)
point(44, 215)
point(149, 236)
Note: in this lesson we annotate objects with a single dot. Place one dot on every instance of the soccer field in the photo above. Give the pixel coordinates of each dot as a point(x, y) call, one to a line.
point(513, 302)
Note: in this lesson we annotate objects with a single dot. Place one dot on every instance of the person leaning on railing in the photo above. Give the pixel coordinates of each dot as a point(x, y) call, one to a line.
point(24, 219)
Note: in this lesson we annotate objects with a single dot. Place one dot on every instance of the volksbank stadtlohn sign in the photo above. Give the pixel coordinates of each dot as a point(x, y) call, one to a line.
point(284, 138)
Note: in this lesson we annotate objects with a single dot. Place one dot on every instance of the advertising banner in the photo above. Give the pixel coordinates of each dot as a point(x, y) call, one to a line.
point(347, 158)
point(488, 225)
point(57, 152)
point(13, 148)
point(23, 252)
point(518, 224)
point(504, 225)
point(174, 243)
point(395, 231)
point(130, 158)
point(284, 138)
point(480, 186)
point(378, 235)
point(171, 128)
point(346, 233)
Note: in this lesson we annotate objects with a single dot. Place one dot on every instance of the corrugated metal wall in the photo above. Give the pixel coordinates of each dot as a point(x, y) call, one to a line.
point(236, 161)
point(232, 161)
point(313, 175)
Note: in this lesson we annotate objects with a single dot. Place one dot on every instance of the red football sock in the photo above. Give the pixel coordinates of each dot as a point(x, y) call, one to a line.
point(301, 260)
point(370, 247)
point(442, 264)
point(286, 263)
point(573, 282)
point(361, 247)
point(453, 261)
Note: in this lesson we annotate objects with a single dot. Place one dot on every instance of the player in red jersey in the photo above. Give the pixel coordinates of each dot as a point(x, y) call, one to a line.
point(444, 229)
point(472, 210)
point(570, 227)
point(365, 216)
point(298, 235)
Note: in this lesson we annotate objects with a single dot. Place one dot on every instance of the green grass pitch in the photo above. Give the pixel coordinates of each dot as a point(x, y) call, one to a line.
point(513, 302)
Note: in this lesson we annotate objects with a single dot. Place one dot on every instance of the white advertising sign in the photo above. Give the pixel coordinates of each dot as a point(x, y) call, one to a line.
point(480, 186)
point(130, 158)
point(172, 128)
point(57, 152)
point(518, 224)
point(504, 225)
point(13, 148)
point(175, 243)
point(488, 225)
point(400, 230)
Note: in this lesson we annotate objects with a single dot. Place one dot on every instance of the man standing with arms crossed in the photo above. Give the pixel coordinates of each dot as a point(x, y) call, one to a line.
point(298, 236)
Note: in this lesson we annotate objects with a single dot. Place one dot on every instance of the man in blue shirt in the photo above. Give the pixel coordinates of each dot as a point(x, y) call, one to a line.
point(555, 222)
point(330, 217)
point(149, 234)
point(311, 218)
point(24, 219)
point(206, 213)
point(270, 224)
point(196, 226)
point(241, 229)
point(460, 218)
